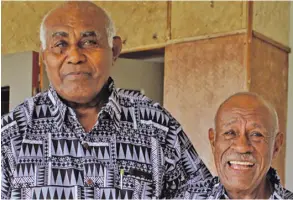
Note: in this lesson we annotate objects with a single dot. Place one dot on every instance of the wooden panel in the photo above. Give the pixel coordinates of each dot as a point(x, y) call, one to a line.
point(194, 18)
point(269, 78)
point(200, 75)
point(138, 23)
point(271, 18)
point(20, 25)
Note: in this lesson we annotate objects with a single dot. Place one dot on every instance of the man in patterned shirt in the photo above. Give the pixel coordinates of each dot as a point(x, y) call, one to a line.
point(245, 140)
point(83, 138)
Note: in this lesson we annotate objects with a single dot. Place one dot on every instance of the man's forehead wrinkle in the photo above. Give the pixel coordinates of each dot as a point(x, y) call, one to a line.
point(76, 14)
point(73, 23)
point(85, 14)
point(241, 114)
point(248, 112)
point(228, 115)
point(226, 123)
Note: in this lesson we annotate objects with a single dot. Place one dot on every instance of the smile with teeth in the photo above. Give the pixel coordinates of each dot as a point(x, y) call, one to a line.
point(240, 164)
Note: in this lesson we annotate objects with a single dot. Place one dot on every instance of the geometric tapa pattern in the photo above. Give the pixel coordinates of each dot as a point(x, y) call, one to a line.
point(213, 189)
point(136, 150)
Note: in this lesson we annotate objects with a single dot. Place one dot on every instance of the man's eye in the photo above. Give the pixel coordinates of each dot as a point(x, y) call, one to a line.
point(229, 134)
point(89, 43)
point(61, 44)
point(256, 134)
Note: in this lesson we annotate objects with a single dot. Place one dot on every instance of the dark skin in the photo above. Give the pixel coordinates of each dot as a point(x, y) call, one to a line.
point(78, 57)
point(244, 143)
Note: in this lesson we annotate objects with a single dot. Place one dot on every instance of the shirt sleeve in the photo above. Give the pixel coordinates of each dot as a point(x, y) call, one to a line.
point(182, 163)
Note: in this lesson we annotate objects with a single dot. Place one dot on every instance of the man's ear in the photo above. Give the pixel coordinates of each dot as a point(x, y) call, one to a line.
point(212, 138)
point(117, 46)
point(278, 144)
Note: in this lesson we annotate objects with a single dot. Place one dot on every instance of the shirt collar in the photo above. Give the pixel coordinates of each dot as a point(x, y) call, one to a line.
point(218, 191)
point(111, 104)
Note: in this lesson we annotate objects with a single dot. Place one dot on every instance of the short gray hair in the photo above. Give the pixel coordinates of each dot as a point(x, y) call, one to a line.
point(110, 29)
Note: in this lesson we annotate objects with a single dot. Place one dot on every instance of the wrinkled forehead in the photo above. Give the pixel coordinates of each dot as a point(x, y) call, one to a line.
point(77, 17)
point(248, 114)
point(259, 117)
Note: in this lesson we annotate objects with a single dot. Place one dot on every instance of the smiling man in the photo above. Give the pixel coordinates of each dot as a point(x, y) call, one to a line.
point(83, 138)
point(245, 140)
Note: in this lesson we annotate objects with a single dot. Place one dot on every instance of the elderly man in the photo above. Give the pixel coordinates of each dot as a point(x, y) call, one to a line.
point(245, 140)
point(83, 138)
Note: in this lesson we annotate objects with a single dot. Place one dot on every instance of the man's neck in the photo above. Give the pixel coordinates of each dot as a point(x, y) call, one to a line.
point(87, 116)
point(263, 191)
point(87, 113)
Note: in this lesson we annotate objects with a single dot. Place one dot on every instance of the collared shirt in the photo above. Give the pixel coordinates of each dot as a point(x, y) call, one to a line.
point(136, 150)
point(213, 189)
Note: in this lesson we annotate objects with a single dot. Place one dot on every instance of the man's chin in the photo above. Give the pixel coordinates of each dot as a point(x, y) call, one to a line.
point(238, 181)
point(237, 184)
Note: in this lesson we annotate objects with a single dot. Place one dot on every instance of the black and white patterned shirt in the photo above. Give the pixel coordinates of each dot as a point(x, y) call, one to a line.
point(136, 150)
point(213, 189)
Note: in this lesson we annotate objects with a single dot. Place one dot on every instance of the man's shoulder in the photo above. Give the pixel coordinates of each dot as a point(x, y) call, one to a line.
point(132, 95)
point(288, 194)
point(145, 106)
point(136, 97)
point(19, 116)
point(281, 193)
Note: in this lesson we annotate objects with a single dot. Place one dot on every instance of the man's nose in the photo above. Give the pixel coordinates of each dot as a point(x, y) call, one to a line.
point(75, 56)
point(241, 144)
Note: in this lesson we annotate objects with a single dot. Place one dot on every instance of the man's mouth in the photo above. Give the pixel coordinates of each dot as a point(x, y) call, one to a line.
point(240, 165)
point(77, 75)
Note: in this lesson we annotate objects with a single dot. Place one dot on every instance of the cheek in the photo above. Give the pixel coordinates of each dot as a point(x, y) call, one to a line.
point(264, 152)
point(53, 64)
point(220, 148)
point(101, 60)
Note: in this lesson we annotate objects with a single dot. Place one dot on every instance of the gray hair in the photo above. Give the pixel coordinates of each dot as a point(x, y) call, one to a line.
point(110, 29)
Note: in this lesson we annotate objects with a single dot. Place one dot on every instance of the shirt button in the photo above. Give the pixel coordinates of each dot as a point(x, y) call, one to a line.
point(86, 145)
point(90, 181)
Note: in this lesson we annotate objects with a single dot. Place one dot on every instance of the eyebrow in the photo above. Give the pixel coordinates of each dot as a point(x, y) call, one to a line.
point(60, 33)
point(88, 34)
point(255, 125)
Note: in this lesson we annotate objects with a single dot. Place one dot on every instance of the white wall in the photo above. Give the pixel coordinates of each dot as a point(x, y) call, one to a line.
point(289, 140)
point(16, 72)
point(140, 75)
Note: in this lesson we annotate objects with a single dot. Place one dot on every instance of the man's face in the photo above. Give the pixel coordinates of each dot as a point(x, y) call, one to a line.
point(77, 55)
point(244, 144)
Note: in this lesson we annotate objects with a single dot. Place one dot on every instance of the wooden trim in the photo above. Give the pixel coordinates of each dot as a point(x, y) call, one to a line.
point(204, 37)
point(35, 73)
point(247, 61)
point(144, 48)
point(190, 39)
point(271, 41)
point(169, 15)
point(144, 54)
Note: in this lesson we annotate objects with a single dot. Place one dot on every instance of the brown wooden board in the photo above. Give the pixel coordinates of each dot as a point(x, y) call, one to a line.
point(199, 75)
